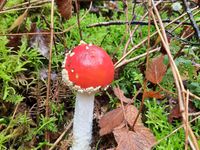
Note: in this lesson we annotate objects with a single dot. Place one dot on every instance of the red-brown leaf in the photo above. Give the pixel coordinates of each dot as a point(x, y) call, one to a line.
point(110, 120)
point(141, 139)
point(120, 95)
point(131, 113)
point(156, 70)
point(65, 8)
point(153, 94)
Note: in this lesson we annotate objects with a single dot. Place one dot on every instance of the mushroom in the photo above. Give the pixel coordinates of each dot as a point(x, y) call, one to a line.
point(86, 69)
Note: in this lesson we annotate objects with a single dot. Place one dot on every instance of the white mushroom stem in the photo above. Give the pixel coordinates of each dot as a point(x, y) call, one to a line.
point(82, 125)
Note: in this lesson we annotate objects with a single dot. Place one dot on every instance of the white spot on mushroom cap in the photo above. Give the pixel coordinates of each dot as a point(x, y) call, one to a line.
point(71, 54)
point(87, 47)
point(77, 76)
point(90, 44)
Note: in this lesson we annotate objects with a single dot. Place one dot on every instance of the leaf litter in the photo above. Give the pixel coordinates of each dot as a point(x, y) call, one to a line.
point(120, 124)
point(156, 70)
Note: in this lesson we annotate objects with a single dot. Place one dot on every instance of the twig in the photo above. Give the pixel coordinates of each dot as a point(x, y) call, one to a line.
point(17, 9)
point(33, 3)
point(126, 61)
point(144, 40)
point(141, 105)
point(78, 19)
point(159, 141)
point(183, 40)
point(132, 23)
point(194, 114)
point(61, 136)
point(191, 17)
point(195, 13)
point(49, 69)
point(176, 74)
point(186, 120)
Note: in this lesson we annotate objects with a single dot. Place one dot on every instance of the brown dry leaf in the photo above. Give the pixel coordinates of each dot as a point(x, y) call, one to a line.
point(110, 120)
point(156, 70)
point(141, 139)
point(18, 21)
point(14, 42)
point(131, 113)
point(175, 113)
point(153, 94)
point(120, 95)
point(65, 8)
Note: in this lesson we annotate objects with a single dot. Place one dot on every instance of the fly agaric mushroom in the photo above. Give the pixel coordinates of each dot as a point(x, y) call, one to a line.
point(86, 69)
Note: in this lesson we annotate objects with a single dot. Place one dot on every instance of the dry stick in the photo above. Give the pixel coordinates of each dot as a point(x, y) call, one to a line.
point(147, 63)
point(126, 61)
point(33, 3)
point(183, 21)
point(6, 11)
point(192, 95)
point(172, 64)
point(61, 136)
point(184, 40)
point(49, 69)
point(141, 105)
point(194, 114)
point(174, 131)
point(165, 90)
point(47, 33)
point(133, 31)
point(177, 78)
point(144, 40)
point(127, 20)
point(128, 42)
point(119, 22)
point(194, 24)
point(78, 19)
point(186, 120)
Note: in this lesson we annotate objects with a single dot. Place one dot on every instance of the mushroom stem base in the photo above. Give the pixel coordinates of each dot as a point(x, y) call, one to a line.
point(82, 125)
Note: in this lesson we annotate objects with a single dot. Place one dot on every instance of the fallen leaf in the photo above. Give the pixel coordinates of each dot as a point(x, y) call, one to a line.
point(174, 113)
point(131, 113)
point(153, 94)
point(156, 70)
point(65, 8)
point(120, 95)
point(14, 42)
point(130, 140)
point(18, 21)
point(110, 120)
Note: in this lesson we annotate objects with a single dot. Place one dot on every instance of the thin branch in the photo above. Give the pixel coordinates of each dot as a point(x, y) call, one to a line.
point(126, 61)
point(176, 74)
point(119, 22)
point(186, 120)
point(47, 137)
point(159, 141)
point(183, 40)
point(144, 40)
point(191, 17)
point(78, 19)
point(61, 136)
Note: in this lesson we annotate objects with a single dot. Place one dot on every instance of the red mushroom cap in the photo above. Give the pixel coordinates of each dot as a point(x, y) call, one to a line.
point(87, 68)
